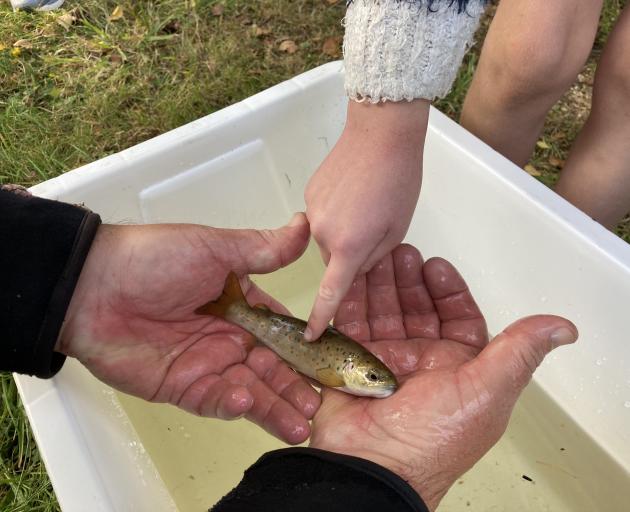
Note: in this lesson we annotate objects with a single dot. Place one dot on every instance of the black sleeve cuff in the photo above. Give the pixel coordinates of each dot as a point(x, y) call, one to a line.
point(307, 479)
point(43, 246)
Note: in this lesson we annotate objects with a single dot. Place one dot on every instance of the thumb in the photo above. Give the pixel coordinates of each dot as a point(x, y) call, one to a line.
point(508, 362)
point(251, 251)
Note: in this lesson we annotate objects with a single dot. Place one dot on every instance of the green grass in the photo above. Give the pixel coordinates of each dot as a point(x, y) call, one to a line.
point(24, 484)
point(74, 95)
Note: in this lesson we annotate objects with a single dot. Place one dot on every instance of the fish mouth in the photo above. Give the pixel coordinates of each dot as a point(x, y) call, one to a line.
point(371, 392)
point(384, 392)
point(380, 391)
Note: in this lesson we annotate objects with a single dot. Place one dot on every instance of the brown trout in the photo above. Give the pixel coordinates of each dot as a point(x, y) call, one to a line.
point(334, 359)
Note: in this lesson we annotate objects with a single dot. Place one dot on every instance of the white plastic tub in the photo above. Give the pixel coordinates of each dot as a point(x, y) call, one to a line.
point(522, 249)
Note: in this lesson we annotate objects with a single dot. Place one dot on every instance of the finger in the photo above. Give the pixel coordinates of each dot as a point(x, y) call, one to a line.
point(507, 364)
point(249, 251)
point(419, 314)
point(351, 317)
point(222, 399)
point(325, 254)
point(336, 282)
point(270, 411)
point(283, 381)
point(460, 317)
point(382, 249)
point(191, 363)
point(384, 313)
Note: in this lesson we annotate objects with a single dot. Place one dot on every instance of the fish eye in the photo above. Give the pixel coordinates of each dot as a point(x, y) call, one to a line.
point(373, 377)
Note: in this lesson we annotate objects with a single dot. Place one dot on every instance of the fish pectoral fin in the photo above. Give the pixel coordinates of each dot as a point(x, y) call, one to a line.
point(329, 377)
point(262, 306)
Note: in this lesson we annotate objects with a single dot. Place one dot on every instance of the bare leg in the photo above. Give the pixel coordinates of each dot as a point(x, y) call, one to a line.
point(532, 54)
point(596, 177)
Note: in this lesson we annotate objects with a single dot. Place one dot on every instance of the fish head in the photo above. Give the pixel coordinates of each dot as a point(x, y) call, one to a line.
point(367, 376)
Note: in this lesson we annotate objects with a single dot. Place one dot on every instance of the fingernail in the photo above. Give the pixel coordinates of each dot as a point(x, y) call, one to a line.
point(562, 336)
point(296, 220)
point(308, 334)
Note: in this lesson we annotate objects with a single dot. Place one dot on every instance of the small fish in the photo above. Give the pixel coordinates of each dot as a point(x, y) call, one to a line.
point(334, 359)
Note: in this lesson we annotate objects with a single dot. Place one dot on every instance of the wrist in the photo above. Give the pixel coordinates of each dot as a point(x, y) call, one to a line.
point(85, 290)
point(389, 121)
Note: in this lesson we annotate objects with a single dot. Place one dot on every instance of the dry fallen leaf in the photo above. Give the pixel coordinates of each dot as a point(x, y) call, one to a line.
point(217, 10)
point(260, 31)
point(332, 2)
point(23, 43)
point(532, 171)
point(288, 46)
point(558, 136)
point(556, 162)
point(332, 46)
point(116, 14)
point(66, 20)
point(542, 144)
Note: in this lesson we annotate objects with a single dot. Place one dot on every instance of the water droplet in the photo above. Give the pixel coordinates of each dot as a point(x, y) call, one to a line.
point(627, 404)
point(543, 299)
point(599, 362)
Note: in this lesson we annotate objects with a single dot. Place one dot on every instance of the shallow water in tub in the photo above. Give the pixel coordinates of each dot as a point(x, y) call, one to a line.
point(544, 462)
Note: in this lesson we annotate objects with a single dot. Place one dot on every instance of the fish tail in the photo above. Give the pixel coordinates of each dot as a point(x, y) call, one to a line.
point(232, 293)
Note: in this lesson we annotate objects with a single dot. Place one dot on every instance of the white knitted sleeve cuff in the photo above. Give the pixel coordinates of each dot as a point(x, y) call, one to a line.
point(402, 50)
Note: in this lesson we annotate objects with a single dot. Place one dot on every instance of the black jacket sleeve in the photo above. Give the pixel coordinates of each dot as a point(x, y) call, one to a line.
point(43, 245)
point(310, 480)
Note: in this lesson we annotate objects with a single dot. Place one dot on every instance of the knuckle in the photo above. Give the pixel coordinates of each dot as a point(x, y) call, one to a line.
point(318, 227)
point(347, 245)
point(529, 358)
point(327, 293)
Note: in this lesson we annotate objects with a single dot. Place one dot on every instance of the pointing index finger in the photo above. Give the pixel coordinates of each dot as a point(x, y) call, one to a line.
point(336, 282)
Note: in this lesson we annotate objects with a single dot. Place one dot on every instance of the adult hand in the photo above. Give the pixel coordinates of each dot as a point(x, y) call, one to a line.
point(361, 199)
point(457, 390)
point(131, 322)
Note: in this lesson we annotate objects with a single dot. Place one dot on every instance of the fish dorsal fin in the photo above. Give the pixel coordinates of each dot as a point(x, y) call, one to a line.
point(262, 306)
point(231, 293)
point(329, 377)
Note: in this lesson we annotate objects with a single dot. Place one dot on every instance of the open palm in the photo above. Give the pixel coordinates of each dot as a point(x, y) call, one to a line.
point(457, 390)
point(131, 322)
